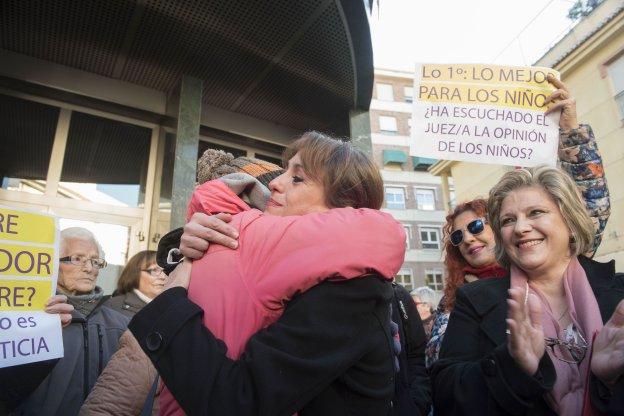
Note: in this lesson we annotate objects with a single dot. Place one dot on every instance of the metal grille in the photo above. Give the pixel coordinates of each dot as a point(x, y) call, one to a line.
point(82, 34)
point(286, 61)
point(26, 137)
point(226, 43)
point(319, 85)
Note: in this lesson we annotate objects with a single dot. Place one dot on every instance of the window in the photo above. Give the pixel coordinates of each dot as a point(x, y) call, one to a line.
point(26, 142)
point(105, 161)
point(384, 92)
point(433, 279)
point(404, 277)
point(408, 92)
point(430, 238)
point(388, 124)
point(616, 72)
point(408, 236)
point(395, 198)
point(425, 199)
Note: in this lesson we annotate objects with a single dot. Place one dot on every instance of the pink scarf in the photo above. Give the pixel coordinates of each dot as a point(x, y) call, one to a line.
point(566, 397)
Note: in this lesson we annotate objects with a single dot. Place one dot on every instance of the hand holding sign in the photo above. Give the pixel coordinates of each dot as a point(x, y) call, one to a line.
point(57, 305)
point(564, 103)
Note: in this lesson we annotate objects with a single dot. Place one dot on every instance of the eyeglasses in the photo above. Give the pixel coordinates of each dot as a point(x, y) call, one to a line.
point(80, 260)
point(474, 227)
point(153, 271)
point(574, 345)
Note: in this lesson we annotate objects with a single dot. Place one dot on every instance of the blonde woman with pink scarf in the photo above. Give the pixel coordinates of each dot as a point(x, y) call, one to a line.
point(547, 339)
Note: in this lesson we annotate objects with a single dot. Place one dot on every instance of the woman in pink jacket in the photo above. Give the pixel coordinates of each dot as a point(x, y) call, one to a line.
point(322, 221)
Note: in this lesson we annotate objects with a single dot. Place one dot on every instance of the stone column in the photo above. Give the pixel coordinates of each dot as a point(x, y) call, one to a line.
point(187, 142)
point(359, 123)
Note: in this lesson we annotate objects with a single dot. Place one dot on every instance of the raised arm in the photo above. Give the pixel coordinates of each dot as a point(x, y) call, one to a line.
point(580, 157)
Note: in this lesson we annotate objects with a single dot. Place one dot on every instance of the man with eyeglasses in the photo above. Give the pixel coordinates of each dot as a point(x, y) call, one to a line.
point(89, 340)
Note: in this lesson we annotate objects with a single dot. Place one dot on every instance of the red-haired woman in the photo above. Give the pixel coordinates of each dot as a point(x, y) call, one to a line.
point(469, 240)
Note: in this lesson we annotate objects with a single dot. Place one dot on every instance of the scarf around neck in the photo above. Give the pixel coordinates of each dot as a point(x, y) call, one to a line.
point(486, 272)
point(85, 303)
point(566, 397)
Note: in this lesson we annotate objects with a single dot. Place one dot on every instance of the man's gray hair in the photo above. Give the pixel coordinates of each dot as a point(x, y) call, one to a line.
point(425, 294)
point(80, 233)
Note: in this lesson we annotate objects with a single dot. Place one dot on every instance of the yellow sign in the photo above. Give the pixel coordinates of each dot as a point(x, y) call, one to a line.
point(525, 98)
point(24, 295)
point(26, 227)
point(28, 259)
point(29, 250)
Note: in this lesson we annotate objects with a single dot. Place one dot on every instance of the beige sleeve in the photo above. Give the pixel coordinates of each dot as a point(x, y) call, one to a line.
point(124, 384)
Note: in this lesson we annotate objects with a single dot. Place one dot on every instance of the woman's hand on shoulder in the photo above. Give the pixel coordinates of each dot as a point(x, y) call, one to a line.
point(202, 229)
point(525, 340)
point(608, 356)
point(58, 305)
point(562, 101)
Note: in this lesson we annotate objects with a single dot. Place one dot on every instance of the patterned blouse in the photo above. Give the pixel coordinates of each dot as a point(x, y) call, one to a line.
point(580, 157)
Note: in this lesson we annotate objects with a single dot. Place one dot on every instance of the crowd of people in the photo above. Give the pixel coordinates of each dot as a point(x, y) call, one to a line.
point(277, 298)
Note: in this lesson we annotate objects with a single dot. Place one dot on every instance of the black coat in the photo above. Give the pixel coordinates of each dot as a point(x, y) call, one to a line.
point(127, 304)
point(18, 382)
point(330, 353)
point(475, 373)
point(412, 387)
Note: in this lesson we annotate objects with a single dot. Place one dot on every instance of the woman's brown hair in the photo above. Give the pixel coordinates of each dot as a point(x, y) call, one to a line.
point(131, 273)
point(349, 177)
point(454, 261)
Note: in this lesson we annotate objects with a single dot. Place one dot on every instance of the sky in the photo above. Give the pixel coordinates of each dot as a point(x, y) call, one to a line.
point(510, 32)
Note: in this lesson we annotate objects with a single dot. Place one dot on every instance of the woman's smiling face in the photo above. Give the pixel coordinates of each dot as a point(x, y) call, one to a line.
point(295, 193)
point(534, 233)
point(477, 250)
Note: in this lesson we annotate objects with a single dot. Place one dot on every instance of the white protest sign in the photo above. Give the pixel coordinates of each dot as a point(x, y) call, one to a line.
point(484, 114)
point(29, 248)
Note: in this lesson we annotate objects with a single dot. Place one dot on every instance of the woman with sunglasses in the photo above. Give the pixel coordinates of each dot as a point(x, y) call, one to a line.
point(556, 345)
point(469, 240)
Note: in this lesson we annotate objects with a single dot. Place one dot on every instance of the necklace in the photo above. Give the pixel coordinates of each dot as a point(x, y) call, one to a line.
point(564, 312)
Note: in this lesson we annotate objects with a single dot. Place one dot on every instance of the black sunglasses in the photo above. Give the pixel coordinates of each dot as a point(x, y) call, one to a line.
point(474, 227)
